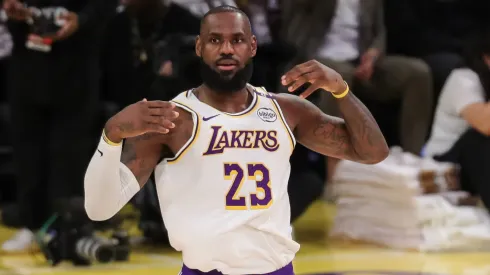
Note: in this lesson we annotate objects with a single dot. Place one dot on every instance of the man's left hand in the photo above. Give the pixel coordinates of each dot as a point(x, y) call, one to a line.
point(69, 28)
point(314, 72)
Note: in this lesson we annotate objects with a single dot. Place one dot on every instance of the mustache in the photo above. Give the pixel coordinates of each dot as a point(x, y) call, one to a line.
point(227, 58)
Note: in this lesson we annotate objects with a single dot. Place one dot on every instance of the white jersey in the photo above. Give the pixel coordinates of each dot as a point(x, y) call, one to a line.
point(224, 195)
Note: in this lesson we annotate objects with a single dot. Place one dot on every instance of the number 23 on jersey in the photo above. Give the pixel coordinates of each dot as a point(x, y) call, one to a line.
point(256, 172)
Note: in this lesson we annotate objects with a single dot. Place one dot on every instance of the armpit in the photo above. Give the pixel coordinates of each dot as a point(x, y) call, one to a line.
point(185, 129)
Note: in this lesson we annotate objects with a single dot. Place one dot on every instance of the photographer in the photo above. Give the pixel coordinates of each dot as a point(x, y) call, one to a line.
point(144, 45)
point(53, 88)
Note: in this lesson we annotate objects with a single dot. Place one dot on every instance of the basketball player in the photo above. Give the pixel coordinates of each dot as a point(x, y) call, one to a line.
point(220, 153)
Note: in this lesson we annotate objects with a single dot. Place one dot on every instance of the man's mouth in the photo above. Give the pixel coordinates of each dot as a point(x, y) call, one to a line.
point(226, 65)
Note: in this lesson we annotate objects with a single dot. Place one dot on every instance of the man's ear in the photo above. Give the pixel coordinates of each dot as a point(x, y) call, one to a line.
point(198, 46)
point(254, 45)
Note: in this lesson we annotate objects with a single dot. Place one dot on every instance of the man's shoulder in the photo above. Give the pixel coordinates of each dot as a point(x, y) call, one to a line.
point(289, 101)
point(262, 91)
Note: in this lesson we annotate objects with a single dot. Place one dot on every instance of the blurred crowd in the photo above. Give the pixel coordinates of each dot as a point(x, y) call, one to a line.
point(421, 66)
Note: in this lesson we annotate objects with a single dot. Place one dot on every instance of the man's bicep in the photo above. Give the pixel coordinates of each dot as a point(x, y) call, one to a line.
point(320, 132)
point(141, 155)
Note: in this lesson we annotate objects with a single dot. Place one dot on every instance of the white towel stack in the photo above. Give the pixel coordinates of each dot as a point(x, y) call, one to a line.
point(406, 202)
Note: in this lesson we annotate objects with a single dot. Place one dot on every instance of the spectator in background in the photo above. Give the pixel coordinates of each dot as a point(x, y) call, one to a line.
point(349, 36)
point(53, 87)
point(435, 30)
point(144, 46)
point(461, 130)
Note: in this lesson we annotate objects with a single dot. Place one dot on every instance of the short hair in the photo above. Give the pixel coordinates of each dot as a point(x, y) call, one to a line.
point(224, 8)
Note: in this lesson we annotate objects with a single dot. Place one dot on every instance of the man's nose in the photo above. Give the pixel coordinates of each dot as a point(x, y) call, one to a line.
point(227, 48)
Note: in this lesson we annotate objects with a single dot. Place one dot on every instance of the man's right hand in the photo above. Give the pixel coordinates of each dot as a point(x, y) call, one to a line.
point(15, 10)
point(140, 118)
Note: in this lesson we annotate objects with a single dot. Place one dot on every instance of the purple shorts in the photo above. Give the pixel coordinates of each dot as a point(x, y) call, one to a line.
point(287, 270)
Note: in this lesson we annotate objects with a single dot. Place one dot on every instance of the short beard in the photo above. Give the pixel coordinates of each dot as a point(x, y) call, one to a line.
point(223, 83)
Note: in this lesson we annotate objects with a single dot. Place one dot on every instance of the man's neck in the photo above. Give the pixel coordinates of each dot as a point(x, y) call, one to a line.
point(226, 102)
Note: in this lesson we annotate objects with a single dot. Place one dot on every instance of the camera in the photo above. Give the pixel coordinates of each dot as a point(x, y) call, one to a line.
point(44, 23)
point(70, 235)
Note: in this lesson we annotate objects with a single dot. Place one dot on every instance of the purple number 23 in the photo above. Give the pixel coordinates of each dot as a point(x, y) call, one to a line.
point(255, 171)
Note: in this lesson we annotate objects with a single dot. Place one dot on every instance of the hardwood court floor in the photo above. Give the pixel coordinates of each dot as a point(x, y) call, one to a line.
point(317, 256)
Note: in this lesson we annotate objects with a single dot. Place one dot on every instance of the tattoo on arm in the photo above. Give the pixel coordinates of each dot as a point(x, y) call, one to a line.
point(356, 138)
point(366, 138)
point(141, 154)
point(333, 134)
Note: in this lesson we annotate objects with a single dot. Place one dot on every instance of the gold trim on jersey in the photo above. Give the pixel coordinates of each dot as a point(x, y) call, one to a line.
point(276, 106)
point(250, 109)
point(192, 139)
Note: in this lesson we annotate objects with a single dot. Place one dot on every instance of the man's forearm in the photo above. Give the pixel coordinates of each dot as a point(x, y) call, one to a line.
point(108, 183)
point(364, 133)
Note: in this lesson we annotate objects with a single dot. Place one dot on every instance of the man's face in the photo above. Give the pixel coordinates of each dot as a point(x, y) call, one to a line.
point(226, 47)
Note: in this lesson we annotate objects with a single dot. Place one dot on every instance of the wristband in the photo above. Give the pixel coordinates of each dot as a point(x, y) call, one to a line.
point(108, 141)
point(344, 93)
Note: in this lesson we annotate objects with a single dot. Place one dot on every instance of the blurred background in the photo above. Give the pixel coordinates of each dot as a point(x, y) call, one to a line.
point(422, 67)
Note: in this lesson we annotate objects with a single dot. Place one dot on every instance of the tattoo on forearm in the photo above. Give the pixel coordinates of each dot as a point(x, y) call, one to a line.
point(140, 167)
point(333, 134)
point(356, 137)
point(365, 136)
